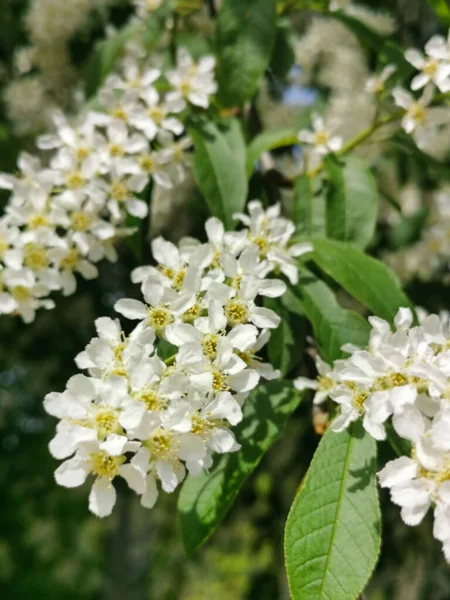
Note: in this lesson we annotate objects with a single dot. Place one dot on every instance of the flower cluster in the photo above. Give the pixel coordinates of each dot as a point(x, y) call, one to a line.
point(433, 73)
point(65, 216)
point(46, 76)
point(419, 117)
point(402, 376)
point(149, 420)
point(430, 255)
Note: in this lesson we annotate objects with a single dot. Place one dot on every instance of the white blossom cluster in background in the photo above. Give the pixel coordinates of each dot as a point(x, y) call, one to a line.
point(420, 119)
point(46, 77)
point(429, 257)
point(67, 214)
point(149, 420)
point(402, 377)
point(424, 121)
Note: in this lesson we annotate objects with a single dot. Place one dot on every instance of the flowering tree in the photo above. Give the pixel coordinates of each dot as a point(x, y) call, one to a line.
point(228, 318)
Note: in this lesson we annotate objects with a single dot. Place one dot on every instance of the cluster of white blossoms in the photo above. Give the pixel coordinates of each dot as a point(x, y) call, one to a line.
point(66, 215)
point(403, 376)
point(429, 257)
point(321, 139)
point(45, 74)
point(149, 420)
point(420, 119)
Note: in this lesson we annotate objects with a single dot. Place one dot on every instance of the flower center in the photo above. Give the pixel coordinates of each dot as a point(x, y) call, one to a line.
point(390, 381)
point(71, 260)
point(359, 399)
point(185, 87)
point(417, 112)
point(106, 422)
point(219, 382)
point(119, 191)
point(325, 383)
point(120, 114)
point(160, 445)
point(75, 181)
point(209, 345)
point(21, 293)
point(104, 465)
point(152, 401)
point(3, 246)
point(156, 114)
point(430, 67)
point(321, 138)
point(82, 153)
point(36, 258)
point(37, 221)
point(262, 243)
point(192, 313)
point(236, 312)
point(159, 318)
point(148, 164)
point(115, 150)
point(80, 221)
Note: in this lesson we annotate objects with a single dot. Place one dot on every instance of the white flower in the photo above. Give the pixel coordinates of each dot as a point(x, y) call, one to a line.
point(376, 84)
point(418, 117)
point(163, 306)
point(91, 458)
point(191, 81)
point(431, 69)
point(321, 138)
point(157, 115)
point(146, 7)
point(271, 233)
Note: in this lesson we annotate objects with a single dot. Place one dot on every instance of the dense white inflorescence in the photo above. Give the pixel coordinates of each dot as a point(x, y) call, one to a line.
point(150, 420)
point(66, 215)
point(402, 377)
point(429, 257)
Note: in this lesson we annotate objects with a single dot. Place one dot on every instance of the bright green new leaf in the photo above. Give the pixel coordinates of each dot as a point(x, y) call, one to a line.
point(332, 536)
point(352, 201)
point(219, 168)
point(246, 33)
point(269, 140)
point(365, 278)
point(333, 325)
point(442, 9)
point(206, 499)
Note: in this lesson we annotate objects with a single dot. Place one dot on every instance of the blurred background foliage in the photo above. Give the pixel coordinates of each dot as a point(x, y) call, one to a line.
point(50, 545)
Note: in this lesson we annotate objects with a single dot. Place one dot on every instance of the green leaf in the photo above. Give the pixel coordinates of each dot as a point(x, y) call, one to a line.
point(352, 201)
point(442, 9)
point(206, 499)
point(232, 131)
point(423, 161)
point(408, 230)
point(283, 56)
point(219, 169)
point(246, 33)
point(287, 342)
point(365, 278)
point(382, 47)
point(332, 539)
point(269, 140)
point(333, 325)
point(107, 52)
point(308, 209)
